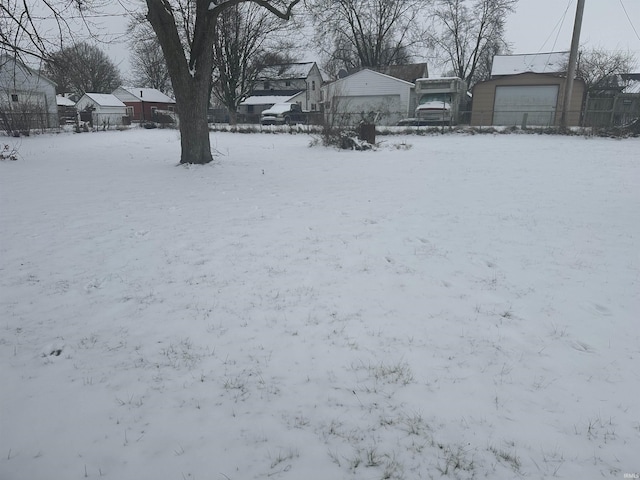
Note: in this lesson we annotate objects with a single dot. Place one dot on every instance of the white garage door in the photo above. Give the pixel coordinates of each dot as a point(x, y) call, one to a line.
point(537, 102)
point(387, 107)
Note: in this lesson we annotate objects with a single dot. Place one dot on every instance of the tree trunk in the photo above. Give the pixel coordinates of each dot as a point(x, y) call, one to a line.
point(192, 102)
point(190, 78)
point(233, 118)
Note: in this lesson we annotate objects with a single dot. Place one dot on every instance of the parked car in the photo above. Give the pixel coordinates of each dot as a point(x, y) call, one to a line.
point(283, 114)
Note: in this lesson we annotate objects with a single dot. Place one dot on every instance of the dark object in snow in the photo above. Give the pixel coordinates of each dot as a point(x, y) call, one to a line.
point(7, 153)
point(347, 142)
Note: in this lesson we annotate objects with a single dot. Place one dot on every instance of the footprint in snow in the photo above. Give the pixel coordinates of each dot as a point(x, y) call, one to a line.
point(53, 350)
point(597, 309)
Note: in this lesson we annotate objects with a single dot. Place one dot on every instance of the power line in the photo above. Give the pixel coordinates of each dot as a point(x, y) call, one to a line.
point(629, 18)
point(558, 26)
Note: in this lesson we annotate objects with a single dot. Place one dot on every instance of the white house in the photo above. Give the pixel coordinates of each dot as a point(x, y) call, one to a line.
point(302, 81)
point(367, 95)
point(299, 83)
point(27, 98)
point(102, 109)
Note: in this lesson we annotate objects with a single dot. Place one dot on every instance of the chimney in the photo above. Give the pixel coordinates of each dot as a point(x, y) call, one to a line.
point(140, 93)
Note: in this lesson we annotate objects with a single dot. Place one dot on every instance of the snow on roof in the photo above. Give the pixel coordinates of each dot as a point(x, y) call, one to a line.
point(633, 87)
point(287, 71)
point(64, 101)
point(364, 72)
point(438, 78)
point(149, 95)
point(105, 99)
point(266, 99)
point(552, 62)
point(279, 108)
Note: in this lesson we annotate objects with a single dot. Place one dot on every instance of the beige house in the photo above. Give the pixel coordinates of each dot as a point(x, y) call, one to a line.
point(526, 90)
point(531, 99)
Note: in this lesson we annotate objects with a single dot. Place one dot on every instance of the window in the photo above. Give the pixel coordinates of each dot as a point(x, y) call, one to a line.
point(267, 85)
point(287, 83)
point(129, 111)
point(313, 85)
point(14, 97)
point(313, 107)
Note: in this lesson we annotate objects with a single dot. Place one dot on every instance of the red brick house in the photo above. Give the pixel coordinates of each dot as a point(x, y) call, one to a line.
point(142, 103)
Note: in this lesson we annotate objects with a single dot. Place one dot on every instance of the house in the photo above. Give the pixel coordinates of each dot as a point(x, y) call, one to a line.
point(101, 109)
point(250, 109)
point(526, 90)
point(617, 104)
point(142, 103)
point(368, 95)
point(285, 83)
point(67, 112)
point(27, 98)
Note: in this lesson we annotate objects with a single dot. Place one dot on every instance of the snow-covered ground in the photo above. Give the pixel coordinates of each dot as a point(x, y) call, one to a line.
point(460, 306)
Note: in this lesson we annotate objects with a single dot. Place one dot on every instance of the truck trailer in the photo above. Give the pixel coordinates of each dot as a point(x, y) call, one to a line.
point(440, 101)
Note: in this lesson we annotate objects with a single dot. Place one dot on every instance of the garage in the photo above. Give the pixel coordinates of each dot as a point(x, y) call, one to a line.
point(537, 102)
point(369, 92)
point(381, 109)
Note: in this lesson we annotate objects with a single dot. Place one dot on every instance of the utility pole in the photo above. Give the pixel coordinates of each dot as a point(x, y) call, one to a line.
point(573, 61)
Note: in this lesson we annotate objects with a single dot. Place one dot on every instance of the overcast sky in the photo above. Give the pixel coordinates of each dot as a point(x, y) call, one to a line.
point(536, 26)
point(541, 25)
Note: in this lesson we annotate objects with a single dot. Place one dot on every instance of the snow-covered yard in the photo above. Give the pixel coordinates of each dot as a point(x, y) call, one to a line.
point(459, 306)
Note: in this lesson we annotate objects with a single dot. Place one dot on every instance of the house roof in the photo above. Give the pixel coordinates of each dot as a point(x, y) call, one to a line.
point(364, 71)
point(64, 101)
point(286, 71)
point(633, 85)
point(552, 62)
point(408, 73)
point(149, 95)
point(26, 70)
point(266, 99)
point(105, 99)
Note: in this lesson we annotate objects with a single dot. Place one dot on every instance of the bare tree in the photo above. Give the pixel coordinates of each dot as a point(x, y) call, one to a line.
point(20, 33)
point(82, 68)
point(467, 33)
point(599, 68)
point(241, 48)
point(191, 67)
point(189, 59)
point(366, 33)
point(148, 66)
